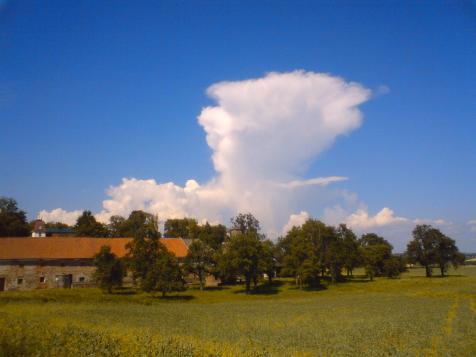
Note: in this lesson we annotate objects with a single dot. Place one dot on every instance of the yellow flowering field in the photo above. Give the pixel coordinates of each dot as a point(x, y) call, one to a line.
point(410, 316)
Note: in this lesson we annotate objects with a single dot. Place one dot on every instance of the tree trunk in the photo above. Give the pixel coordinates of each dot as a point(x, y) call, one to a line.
point(270, 279)
point(428, 271)
point(248, 284)
point(163, 293)
point(200, 277)
point(442, 270)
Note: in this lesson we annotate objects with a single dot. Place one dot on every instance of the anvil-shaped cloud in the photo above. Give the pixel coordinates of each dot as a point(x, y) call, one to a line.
point(264, 133)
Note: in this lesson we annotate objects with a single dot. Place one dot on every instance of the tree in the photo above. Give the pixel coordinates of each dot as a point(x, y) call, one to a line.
point(144, 250)
point(373, 258)
point(13, 222)
point(303, 254)
point(212, 235)
point(245, 223)
point(268, 261)
point(152, 265)
point(109, 269)
point(87, 226)
point(164, 274)
point(350, 248)
point(393, 266)
point(186, 228)
point(140, 223)
point(447, 253)
point(372, 239)
point(241, 256)
point(116, 226)
point(199, 261)
point(423, 248)
point(431, 247)
point(374, 250)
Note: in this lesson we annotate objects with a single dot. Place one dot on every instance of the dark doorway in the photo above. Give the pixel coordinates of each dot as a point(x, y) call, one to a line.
point(67, 281)
point(2, 284)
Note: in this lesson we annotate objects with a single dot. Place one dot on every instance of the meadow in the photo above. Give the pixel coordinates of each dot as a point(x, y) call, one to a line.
point(409, 316)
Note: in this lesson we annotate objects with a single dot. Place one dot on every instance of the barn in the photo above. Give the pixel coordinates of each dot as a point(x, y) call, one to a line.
point(52, 262)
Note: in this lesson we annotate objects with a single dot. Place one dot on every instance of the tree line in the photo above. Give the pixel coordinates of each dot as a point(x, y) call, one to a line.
point(309, 254)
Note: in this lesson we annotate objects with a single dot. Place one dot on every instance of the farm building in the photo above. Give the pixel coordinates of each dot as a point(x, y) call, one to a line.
point(50, 262)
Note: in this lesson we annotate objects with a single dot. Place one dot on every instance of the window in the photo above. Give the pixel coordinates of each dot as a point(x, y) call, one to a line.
point(42, 279)
point(82, 279)
point(19, 281)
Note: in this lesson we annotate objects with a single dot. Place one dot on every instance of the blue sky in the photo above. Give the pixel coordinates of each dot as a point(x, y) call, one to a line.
point(92, 92)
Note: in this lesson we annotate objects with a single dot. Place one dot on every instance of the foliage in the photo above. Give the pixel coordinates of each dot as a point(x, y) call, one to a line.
point(245, 223)
point(393, 266)
point(431, 247)
point(375, 251)
point(212, 235)
point(13, 222)
point(87, 226)
point(109, 270)
point(164, 274)
point(350, 249)
point(186, 228)
point(268, 261)
point(152, 265)
point(242, 256)
point(140, 223)
point(116, 227)
point(199, 261)
point(313, 250)
point(143, 252)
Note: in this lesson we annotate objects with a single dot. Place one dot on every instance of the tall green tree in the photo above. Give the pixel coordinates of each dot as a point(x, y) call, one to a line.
point(87, 226)
point(109, 269)
point(140, 223)
point(116, 226)
point(350, 248)
point(186, 228)
point(447, 254)
point(143, 251)
point(246, 223)
point(301, 255)
point(13, 222)
point(268, 259)
point(199, 261)
point(212, 235)
point(374, 250)
point(430, 247)
point(164, 274)
point(241, 256)
point(423, 248)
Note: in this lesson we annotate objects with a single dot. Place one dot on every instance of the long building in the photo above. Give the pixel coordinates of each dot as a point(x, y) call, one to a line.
point(53, 262)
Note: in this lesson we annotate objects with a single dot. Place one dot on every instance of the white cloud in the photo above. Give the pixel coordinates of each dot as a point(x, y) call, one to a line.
point(319, 181)
point(472, 225)
point(264, 133)
point(436, 222)
point(60, 215)
point(296, 220)
point(362, 220)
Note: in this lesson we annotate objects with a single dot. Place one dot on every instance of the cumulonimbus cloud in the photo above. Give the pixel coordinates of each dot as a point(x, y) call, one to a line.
point(263, 133)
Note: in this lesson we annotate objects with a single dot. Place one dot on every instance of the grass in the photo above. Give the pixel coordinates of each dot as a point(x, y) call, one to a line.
point(411, 316)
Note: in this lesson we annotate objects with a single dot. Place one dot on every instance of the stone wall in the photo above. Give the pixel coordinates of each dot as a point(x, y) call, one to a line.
point(28, 275)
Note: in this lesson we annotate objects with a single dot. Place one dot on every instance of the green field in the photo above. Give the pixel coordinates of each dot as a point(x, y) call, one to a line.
point(411, 316)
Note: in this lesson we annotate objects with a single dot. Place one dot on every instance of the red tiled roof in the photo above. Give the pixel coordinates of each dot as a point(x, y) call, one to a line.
point(74, 247)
